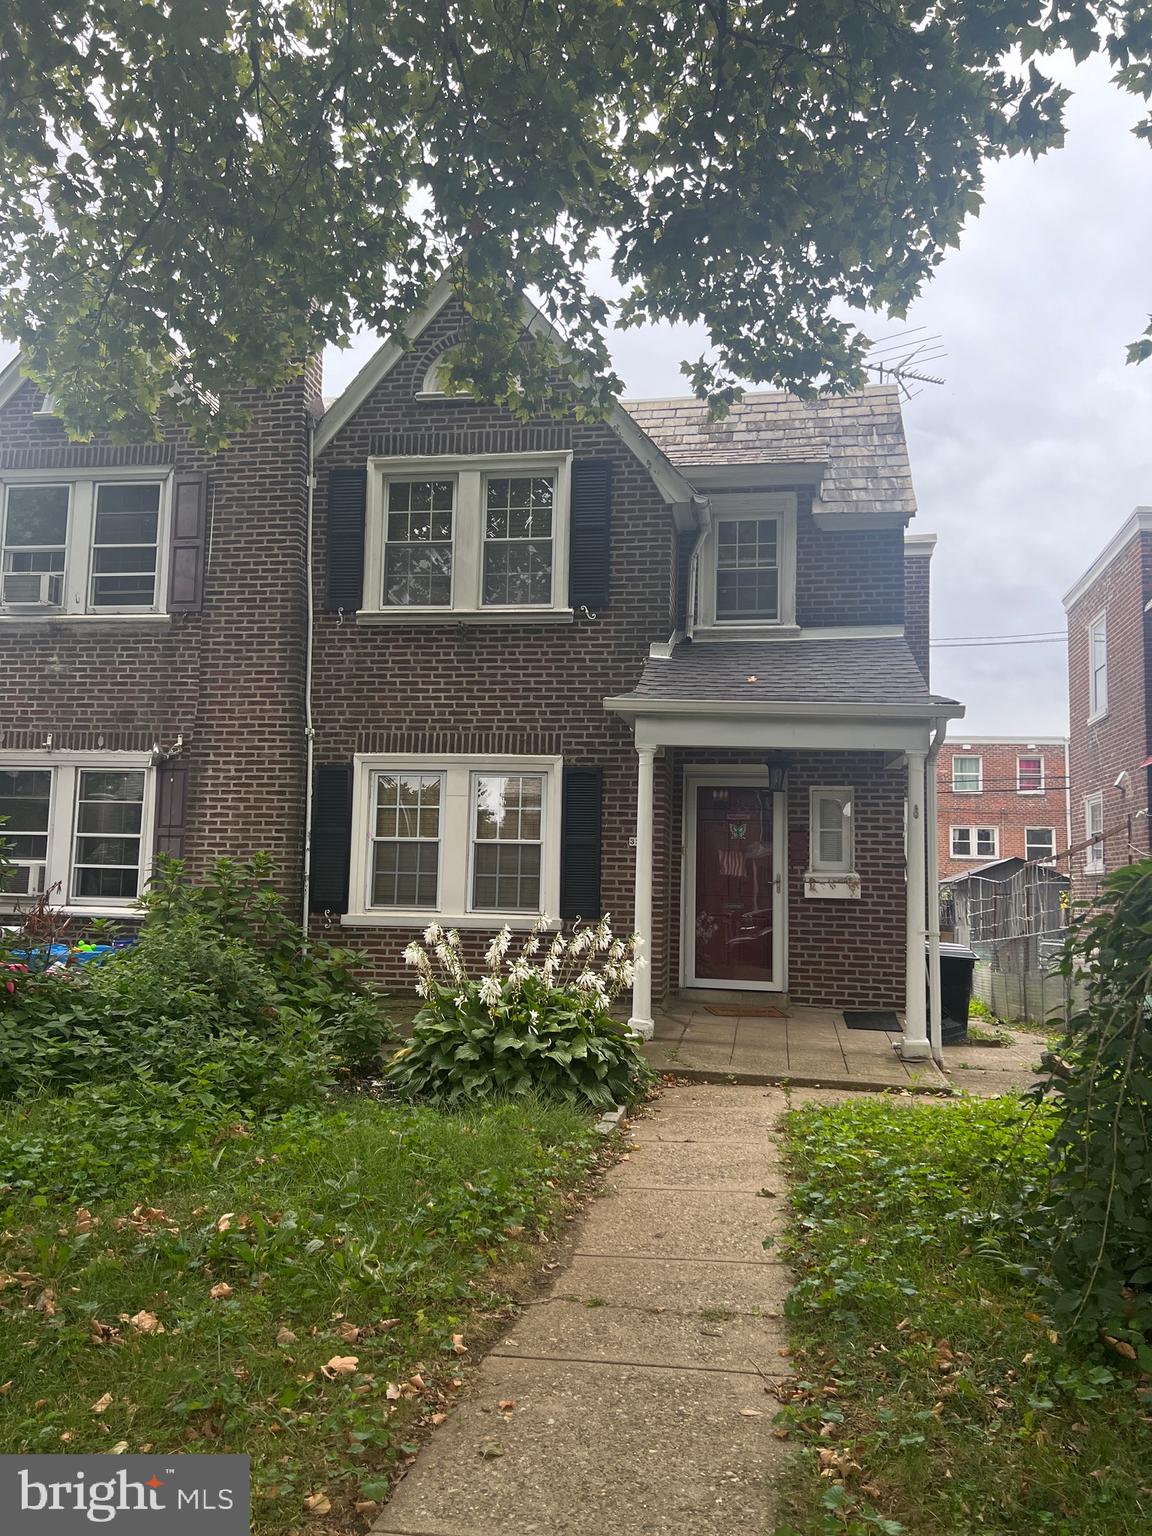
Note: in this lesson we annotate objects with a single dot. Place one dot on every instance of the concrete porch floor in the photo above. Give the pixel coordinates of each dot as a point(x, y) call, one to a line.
point(809, 1046)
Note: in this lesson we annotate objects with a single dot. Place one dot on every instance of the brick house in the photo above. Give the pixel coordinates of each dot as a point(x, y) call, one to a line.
point(668, 668)
point(1110, 721)
point(1001, 799)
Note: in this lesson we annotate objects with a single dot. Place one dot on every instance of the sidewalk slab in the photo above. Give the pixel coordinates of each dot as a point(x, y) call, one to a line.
point(733, 1166)
point(679, 1285)
point(707, 1112)
point(685, 1224)
point(592, 1449)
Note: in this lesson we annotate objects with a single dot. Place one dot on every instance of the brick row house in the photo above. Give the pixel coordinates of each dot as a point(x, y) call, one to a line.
point(1110, 705)
point(484, 668)
point(998, 798)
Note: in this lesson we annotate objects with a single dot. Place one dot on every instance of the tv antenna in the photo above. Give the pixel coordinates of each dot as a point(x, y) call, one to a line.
point(903, 358)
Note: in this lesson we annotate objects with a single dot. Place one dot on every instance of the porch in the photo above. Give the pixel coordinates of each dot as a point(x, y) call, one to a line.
point(778, 1042)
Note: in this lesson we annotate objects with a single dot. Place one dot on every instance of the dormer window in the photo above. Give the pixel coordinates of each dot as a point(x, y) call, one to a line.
point(747, 574)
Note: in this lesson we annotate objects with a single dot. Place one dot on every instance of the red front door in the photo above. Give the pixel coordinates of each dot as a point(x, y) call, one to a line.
point(735, 884)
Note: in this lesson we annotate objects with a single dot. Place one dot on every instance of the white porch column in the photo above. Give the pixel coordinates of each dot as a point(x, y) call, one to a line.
point(641, 1020)
point(914, 1046)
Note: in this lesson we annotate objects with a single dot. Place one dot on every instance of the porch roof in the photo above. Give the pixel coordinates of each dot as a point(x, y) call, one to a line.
point(879, 672)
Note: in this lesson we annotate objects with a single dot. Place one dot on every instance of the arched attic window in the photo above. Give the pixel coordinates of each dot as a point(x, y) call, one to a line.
point(432, 383)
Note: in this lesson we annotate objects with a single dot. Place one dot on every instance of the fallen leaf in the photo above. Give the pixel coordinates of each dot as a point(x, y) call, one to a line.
point(46, 1302)
point(146, 1322)
point(366, 1506)
point(490, 1451)
point(5, 1388)
point(318, 1504)
point(103, 1333)
point(84, 1221)
point(506, 1404)
point(102, 1403)
point(753, 1413)
point(225, 1221)
point(340, 1365)
point(392, 1392)
point(119, 1448)
point(417, 1382)
point(221, 1292)
point(349, 1333)
point(438, 1418)
point(458, 1345)
point(285, 1336)
point(388, 1322)
point(66, 1436)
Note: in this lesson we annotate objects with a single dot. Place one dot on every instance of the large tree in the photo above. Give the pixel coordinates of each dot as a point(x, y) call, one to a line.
point(195, 192)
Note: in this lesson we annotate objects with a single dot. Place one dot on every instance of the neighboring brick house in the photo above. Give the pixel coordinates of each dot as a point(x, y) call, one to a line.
point(656, 666)
point(1001, 799)
point(1110, 720)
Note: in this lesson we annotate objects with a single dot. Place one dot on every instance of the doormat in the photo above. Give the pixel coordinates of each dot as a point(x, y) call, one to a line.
point(861, 1019)
point(726, 1011)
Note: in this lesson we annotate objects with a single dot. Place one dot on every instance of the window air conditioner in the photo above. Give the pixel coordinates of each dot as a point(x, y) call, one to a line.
point(33, 589)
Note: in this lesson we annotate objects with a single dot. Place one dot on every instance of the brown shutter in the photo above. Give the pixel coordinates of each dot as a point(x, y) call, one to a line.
point(171, 807)
point(189, 543)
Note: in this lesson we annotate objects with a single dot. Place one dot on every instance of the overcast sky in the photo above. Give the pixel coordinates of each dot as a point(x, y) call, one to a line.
point(1039, 444)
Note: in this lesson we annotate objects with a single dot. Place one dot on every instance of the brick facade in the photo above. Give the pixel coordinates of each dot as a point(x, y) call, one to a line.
point(229, 681)
point(1107, 754)
point(1000, 803)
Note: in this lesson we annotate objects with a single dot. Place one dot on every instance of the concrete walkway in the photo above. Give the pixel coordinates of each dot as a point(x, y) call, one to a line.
point(636, 1396)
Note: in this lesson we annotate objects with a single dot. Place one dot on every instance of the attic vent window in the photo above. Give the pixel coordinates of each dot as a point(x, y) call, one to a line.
point(433, 381)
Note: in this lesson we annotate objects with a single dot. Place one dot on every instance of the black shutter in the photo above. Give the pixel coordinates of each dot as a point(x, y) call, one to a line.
point(580, 843)
point(589, 548)
point(189, 543)
point(171, 807)
point(347, 493)
point(331, 838)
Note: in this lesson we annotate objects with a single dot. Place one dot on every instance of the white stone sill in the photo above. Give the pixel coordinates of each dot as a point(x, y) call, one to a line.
point(490, 922)
point(448, 616)
point(826, 887)
point(41, 619)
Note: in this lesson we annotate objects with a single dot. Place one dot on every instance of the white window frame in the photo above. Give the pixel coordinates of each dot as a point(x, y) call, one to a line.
point(456, 824)
point(1023, 757)
point(1098, 676)
point(66, 768)
point(727, 508)
point(1040, 858)
point(469, 474)
point(82, 485)
point(1094, 860)
point(973, 842)
point(845, 797)
point(968, 757)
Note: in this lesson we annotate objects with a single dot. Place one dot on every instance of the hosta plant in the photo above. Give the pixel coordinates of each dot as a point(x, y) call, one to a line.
point(538, 1022)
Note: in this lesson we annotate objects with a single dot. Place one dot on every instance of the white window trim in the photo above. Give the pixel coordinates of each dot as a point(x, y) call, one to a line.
point(65, 768)
point(455, 888)
point(1097, 709)
point(729, 508)
point(1051, 832)
point(968, 757)
point(468, 472)
point(817, 865)
point(1094, 860)
point(972, 841)
point(82, 485)
point(1023, 757)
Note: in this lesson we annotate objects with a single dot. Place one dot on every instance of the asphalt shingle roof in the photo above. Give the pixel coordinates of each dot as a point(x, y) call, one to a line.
point(859, 436)
point(880, 671)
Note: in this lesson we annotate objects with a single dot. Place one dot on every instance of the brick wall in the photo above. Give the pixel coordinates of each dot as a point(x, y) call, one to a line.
point(1101, 750)
point(917, 606)
point(999, 804)
point(846, 576)
point(229, 679)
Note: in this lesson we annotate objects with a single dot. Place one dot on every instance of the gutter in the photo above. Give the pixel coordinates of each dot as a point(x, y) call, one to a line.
point(309, 732)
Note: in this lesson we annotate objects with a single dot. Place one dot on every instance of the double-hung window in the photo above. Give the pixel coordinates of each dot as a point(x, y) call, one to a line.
point(77, 828)
point(483, 537)
point(1030, 774)
point(975, 842)
point(967, 774)
point(1094, 834)
point(83, 545)
point(1040, 843)
point(1097, 667)
point(461, 841)
point(746, 578)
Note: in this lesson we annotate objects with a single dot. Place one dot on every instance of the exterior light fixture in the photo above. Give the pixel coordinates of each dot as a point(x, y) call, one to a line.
point(777, 773)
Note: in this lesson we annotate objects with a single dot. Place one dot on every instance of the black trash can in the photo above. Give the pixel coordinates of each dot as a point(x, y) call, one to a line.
point(957, 963)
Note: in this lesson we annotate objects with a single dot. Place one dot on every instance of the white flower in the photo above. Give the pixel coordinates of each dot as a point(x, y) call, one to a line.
point(491, 992)
point(433, 933)
point(498, 947)
point(414, 955)
point(460, 1000)
point(590, 981)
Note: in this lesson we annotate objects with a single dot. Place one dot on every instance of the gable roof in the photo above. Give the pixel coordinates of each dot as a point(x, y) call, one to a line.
point(858, 438)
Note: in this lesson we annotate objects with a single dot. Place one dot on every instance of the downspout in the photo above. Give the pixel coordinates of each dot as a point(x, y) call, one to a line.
point(704, 506)
point(309, 733)
point(935, 1003)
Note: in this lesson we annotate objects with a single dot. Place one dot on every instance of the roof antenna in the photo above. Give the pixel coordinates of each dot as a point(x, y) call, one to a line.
point(902, 357)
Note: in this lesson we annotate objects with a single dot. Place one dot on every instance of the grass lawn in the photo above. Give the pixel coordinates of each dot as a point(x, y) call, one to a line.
point(934, 1397)
point(306, 1292)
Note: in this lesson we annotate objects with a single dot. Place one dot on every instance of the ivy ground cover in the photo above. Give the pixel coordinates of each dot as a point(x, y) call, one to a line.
point(306, 1289)
point(935, 1394)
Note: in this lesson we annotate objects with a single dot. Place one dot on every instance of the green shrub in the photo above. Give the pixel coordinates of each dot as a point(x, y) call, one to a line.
point(539, 1029)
